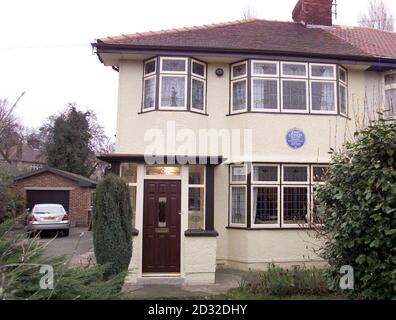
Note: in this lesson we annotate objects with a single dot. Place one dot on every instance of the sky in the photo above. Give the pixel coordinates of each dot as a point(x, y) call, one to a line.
point(45, 45)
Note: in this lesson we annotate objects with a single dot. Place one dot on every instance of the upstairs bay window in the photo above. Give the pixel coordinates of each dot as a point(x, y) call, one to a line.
point(390, 96)
point(174, 84)
point(288, 87)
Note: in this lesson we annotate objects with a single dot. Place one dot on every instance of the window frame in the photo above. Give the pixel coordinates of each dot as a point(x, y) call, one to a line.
point(162, 58)
point(238, 225)
point(264, 110)
point(198, 186)
point(312, 173)
point(155, 69)
point(388, 87)
point(312, 77)
point(264, 75)
point(246, 174)
point(295, 225)
point(284, 182)
point(203, 111)
point(306, 110)
point(254, 225)
point(170, 108)
point(155, 92)
point(245, 62)
point(306, 76)
point(336, 103)
point(264, 183)
point(232, 95)
point(202, 64)
point(341, 84)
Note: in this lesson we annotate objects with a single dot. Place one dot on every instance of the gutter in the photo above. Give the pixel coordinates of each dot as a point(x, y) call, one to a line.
point(102, 47)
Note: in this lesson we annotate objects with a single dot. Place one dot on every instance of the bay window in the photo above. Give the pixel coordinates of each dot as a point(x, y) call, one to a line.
point(288, 87)
point(281, 195)
point(167, 87)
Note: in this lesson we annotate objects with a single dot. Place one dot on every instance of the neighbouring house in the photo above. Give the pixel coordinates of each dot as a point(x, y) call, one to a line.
point(49, 185)
point(23, 158)
point(224, 132)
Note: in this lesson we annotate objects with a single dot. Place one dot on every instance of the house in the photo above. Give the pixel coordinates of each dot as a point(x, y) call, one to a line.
point(49, 185)
point(23, 157)
point(223, 133)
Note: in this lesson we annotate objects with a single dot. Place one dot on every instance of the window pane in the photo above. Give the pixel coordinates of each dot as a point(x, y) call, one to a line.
point(155, 170)
point(322, 71)
point(295, 206)
point(294, 95)
point(390, 98)
point(239, 95)
point(128, 172)
point(196, 208)
point(319, 173)
point(149, 93)
point(197, 94)
point(390, 79)
point(238, 205)
point(238, 173)
point(290, 69)
point(239, 70)
point(342, 75)
point(265, 173)
point(149, 67)
point(265, 205)
point(173, 91)
point(178, 65)
point(265, 94)
point(343, 100)
point(295, 174)
point(198, 69)
point(265, 68)
point(323, 96)
point(196, 174)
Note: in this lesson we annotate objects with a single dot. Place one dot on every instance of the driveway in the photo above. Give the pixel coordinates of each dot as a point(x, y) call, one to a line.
point(78, 246)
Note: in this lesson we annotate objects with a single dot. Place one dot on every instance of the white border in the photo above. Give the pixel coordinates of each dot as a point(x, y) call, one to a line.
point(198, 186)
point(296, 225)
point(162, 176)
point(306, 110)
point(174, 72)
point(265, 225)
point(232, 96)
point(334, 83)
point(295, 182)
point(161, 107)
point(252, 95)
point(312, 173)
point(346, 75)
point(238, 64)
point(238, 182)
point(198, 75)
point(243, 225)
point(263, 183)
point(333, 66)
point(155, 92)
point(204, 94)
point(341, 84)
point(292, 76)
point(144, 67)
point(276, 75)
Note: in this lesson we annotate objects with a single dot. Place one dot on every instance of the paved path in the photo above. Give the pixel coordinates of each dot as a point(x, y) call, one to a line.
point(77, 245)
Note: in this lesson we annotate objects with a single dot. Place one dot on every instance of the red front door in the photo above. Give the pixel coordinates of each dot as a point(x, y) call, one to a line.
point(161, 226)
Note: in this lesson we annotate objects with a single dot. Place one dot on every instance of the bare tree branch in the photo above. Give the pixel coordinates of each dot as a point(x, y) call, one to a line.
point(378, 16)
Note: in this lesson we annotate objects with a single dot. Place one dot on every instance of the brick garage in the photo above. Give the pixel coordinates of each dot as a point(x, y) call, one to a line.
point(53, 185)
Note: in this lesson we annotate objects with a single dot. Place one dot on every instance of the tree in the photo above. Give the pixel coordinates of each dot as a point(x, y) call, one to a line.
point(112, 224)
point(10, 129)
point(357, 205)
point(248, 13)
point(73, 139)
point(378, 16)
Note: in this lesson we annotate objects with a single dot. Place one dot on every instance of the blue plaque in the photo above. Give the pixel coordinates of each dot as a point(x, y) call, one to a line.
point(295, 138)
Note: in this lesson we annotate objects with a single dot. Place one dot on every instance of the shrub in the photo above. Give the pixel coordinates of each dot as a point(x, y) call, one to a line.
point(20, 263)
point(358, 207)
point(11, 202)
point(112, 224)
point(282, 282)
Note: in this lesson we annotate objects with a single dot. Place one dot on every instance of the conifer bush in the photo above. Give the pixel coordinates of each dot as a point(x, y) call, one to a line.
point(112, 224)
point(358, 208)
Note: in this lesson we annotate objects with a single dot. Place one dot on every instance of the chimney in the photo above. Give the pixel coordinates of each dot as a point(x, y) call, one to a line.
point(314, 12)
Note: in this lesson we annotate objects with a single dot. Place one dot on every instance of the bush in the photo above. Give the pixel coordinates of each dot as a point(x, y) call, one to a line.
point(112, 224)
point(358, 207)
point(20, 263)
point(11, 202)
point(282, 282)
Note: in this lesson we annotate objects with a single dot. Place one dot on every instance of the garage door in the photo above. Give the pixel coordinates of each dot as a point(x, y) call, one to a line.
point(34, 197)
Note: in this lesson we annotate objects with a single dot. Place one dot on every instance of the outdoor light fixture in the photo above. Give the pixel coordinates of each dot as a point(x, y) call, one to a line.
point(219, 72)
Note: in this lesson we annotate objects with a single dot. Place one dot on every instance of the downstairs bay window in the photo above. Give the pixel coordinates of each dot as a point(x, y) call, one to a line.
point(390, 96)
point(174, 84)
point(281, 195)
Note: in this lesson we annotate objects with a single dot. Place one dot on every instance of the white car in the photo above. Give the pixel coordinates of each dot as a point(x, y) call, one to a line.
point(48, 217)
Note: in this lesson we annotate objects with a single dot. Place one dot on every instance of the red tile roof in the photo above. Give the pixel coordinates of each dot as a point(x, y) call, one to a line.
point(267, 36)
